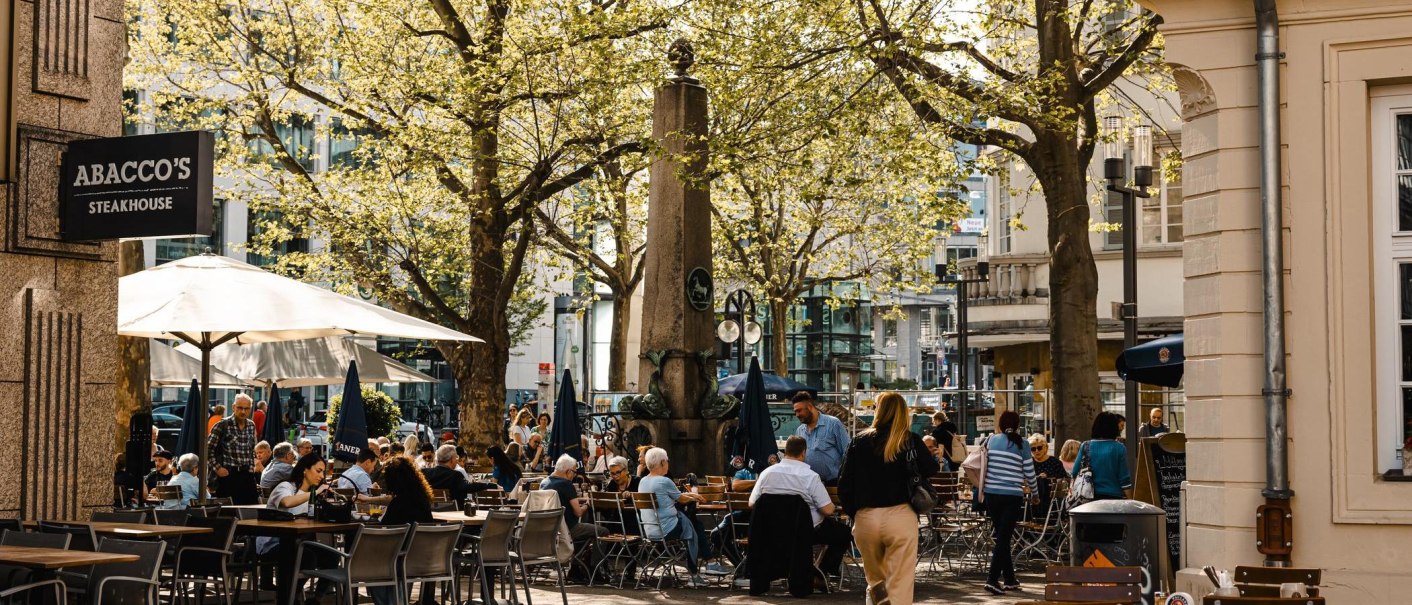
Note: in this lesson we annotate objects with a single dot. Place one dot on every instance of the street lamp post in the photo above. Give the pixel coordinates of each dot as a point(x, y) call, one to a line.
point(741, 304)
point(961, 284)
point(1115, 172)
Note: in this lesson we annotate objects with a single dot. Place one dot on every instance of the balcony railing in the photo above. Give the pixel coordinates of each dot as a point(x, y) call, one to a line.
point(1016, 279)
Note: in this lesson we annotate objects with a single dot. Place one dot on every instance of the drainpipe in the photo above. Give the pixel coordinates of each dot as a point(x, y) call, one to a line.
point(1273, 535)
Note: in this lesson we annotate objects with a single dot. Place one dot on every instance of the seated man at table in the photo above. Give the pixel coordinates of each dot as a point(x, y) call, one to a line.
point(562, 482)
point(186, 480)
point(281, 463)
point(444, 475)
point(358, 477)
point(792, 476)
point(664, 521)
point(162, 470)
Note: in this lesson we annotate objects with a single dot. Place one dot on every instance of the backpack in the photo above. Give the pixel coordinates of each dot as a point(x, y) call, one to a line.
point(957, 453)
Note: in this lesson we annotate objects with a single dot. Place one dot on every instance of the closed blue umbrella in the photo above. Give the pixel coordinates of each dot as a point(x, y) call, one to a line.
point(755, 436)
point(274, 420)
point(193, 423)
point(776, 388)
point(351, 435)
point(565, 438)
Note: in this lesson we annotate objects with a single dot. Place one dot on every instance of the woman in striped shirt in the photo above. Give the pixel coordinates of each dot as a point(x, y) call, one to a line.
point(1009, 477)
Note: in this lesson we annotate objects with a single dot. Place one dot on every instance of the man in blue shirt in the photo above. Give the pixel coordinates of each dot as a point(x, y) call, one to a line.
point(357, 476)
point(827, 438)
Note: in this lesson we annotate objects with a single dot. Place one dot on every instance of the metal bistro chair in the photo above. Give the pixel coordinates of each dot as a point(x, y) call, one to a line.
point(127, 583)
point(434, 560)
point(170, 516)
point(620, 545)
point(659, 553)
point(372, 559)
point(204, 559)
point(738, 509)
point(81, 537)
point(539, 547)
point(492, 550)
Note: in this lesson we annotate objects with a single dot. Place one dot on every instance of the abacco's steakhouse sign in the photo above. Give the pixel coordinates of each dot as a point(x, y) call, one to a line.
point(144, 186)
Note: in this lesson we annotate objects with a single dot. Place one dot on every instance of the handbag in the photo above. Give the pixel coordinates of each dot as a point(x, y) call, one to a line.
point(922, 494)
point(1081, 489)
point(957, 455)
point(975, 466)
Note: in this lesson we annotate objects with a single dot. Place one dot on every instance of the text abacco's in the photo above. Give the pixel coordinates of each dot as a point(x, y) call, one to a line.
point(145, 171)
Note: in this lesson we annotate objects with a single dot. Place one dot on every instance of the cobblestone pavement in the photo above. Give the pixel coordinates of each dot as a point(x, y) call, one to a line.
point(931, 589)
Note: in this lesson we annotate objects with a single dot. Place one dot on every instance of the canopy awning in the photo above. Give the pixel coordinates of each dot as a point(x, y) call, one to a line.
point(1159, 362)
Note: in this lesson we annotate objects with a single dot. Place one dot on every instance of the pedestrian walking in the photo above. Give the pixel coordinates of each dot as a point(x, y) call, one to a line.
point(231, 447)
point(874, 488)
point(1106, 458)
point(1009, 479)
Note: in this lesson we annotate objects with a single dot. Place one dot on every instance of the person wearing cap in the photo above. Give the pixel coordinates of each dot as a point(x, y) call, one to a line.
point(428, 456)
point(162, 470)
point(448, 437)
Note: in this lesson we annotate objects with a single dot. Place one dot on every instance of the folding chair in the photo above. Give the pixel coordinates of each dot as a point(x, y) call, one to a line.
point(660, 553)
point(1107, 585)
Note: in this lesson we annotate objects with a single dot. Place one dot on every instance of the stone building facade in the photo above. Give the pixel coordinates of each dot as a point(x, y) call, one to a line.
point(58, 347)
point(1346, 141)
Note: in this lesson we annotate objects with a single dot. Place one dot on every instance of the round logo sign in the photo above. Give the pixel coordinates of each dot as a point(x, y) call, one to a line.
point(700, 291)
point(1164, 355)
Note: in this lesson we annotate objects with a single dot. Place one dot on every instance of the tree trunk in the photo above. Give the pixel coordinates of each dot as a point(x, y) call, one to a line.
point(779, 326)
point(133, 391)
point(1073, 285)
point(618, 342)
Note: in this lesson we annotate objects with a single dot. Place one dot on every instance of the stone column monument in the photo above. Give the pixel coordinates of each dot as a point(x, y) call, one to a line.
point(58, 346)
point(678, 318)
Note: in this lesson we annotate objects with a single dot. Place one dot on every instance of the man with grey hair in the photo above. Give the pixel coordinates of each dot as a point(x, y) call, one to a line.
point(575, 506)
point(231, 448)
point(444, 475)
point(281, 464)
point(306, 447)
point(186, 480)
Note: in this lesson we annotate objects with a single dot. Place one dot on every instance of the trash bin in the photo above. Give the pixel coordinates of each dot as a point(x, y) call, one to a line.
point(1121, 533)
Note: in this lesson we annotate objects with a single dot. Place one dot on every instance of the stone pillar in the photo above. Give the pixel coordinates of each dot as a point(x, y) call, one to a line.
point(57, 328)
point(678, 302)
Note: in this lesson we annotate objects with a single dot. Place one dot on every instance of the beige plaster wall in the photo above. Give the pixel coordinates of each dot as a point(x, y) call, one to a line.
point(1346, 520)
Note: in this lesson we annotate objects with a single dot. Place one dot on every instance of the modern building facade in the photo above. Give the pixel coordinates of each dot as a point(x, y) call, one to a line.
point(1346, 147)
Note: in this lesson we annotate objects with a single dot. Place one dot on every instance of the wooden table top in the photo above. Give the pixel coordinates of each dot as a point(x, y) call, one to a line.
point(57, 558)
point(263, 527)
point(134, 530)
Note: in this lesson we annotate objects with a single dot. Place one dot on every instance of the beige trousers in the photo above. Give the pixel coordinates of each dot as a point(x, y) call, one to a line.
point(887, 538)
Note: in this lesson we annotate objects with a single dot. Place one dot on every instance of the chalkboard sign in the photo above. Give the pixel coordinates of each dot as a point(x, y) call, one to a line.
point(1169, 464)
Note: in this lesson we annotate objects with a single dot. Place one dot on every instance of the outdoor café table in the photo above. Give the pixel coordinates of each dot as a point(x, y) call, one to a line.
point(45, 561)
point(135, 530)
point(291, 533)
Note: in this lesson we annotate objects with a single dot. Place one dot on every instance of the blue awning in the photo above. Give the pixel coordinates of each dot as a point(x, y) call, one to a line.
point(1158, 362)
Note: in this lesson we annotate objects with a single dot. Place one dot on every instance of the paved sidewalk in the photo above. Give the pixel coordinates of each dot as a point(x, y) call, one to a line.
point(931, 588)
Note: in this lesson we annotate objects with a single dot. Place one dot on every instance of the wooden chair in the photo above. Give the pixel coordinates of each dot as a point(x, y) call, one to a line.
point(620, 546)
point(1261, 586)
point(712, 493)
point(166, 493)
point(1108, 585)
point(717, 480)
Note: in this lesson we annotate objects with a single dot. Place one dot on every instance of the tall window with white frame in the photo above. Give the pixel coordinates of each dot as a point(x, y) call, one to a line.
point(1392, 281)
point(1004, 208)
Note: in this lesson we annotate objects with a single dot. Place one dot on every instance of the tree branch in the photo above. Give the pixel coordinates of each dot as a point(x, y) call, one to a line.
point(975, 53)
point(1130, 55)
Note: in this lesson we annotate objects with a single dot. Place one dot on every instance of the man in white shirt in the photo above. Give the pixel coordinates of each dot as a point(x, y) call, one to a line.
point(793, 477)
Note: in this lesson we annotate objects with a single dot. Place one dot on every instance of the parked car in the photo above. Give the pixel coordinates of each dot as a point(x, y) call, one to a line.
point(168, 430)
point(315, 430)
point(422, 431)
point(174, 409)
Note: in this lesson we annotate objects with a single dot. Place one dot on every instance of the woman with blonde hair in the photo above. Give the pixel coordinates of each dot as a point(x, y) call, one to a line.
point(520, 432)
point(1068, 454)
point(875, 490)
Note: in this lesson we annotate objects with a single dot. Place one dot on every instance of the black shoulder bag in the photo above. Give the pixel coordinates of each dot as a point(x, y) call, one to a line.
point(923, 495)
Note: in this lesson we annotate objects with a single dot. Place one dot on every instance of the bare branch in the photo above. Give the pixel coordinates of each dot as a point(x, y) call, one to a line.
point(975, 53)
point(1130, 55)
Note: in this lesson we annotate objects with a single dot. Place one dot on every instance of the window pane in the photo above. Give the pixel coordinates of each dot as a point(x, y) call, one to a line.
point(1405, 289)
point(1174, 213)
point(1406, 414)
point(1404, 142)
point(1404, 202)
point(1151, 220)
point(1407, 353)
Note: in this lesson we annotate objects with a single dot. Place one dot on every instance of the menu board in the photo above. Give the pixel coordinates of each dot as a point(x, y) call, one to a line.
point(1170, 471)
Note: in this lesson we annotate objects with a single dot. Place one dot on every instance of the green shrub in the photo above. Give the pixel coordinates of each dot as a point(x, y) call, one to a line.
point(382, 413)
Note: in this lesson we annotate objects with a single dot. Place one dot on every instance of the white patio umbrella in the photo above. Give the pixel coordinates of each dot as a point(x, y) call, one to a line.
point(306, 363)
point(169, 367)
point(208, 300)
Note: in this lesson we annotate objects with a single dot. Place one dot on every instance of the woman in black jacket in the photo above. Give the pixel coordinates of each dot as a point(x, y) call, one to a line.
point(875, 489)
point(410, 503)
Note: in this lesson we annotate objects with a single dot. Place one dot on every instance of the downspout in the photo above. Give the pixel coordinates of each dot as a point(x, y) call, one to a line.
point(1273, 536)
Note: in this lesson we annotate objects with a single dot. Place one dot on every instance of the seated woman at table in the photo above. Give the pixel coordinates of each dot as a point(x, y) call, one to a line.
point(409, 501)
point(506, 472)
point(186, 480)
point(306, 481)
point(671, 523)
